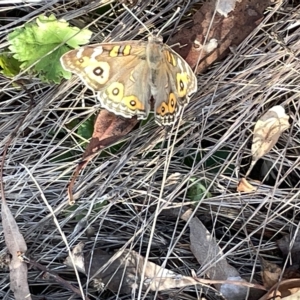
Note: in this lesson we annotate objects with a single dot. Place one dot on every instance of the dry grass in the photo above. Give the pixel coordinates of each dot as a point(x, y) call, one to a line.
point(131, 179)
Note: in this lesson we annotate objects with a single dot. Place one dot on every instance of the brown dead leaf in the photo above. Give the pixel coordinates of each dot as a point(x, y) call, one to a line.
point(270, 273)
point(212, 34)
point(285, 290)
point(245, 186)
point(13, 238)
point(207, 252)
point(267, 131)
point(108, 129)
point(125, 271)
point(294, 294)
point(16, 245)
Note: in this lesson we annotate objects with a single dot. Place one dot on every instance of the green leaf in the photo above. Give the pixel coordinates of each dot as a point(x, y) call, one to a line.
point(198, 190)
point(72, 124)
point(85, 130)
point(40, 44)
point(216, 162)
point(96, 208)
point(9, 66)
point(64, 157)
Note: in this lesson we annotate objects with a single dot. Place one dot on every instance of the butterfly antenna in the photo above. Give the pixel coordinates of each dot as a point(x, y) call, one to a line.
point(169, 21)
point(147, 29)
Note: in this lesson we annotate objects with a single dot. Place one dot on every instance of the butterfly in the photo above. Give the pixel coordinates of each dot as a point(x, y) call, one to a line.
point(125, 75)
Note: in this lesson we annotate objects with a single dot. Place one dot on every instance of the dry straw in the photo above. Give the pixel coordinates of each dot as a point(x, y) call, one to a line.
point(212, 145)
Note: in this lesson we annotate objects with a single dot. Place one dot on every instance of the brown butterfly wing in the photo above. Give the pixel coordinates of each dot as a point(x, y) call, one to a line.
point(117, 72)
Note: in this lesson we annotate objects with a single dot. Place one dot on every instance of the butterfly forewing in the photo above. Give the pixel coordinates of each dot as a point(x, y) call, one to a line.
point(117, 72)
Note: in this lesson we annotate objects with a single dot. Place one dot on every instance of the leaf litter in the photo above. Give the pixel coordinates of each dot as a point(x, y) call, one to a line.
point(13, 238)
point(16, 245)
point(128, 265)
point(266, 133)
point(255, 76)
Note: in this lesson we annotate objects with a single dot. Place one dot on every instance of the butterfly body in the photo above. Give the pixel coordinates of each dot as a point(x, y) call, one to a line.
point(125, 75)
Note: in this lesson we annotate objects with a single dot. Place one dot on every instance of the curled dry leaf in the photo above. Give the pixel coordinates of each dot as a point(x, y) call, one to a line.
point(125, 271)
point(270, 273)
point(16, 245)
point(285, 290)
point(108, 129)
point(245, 186)
point(267, 131)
